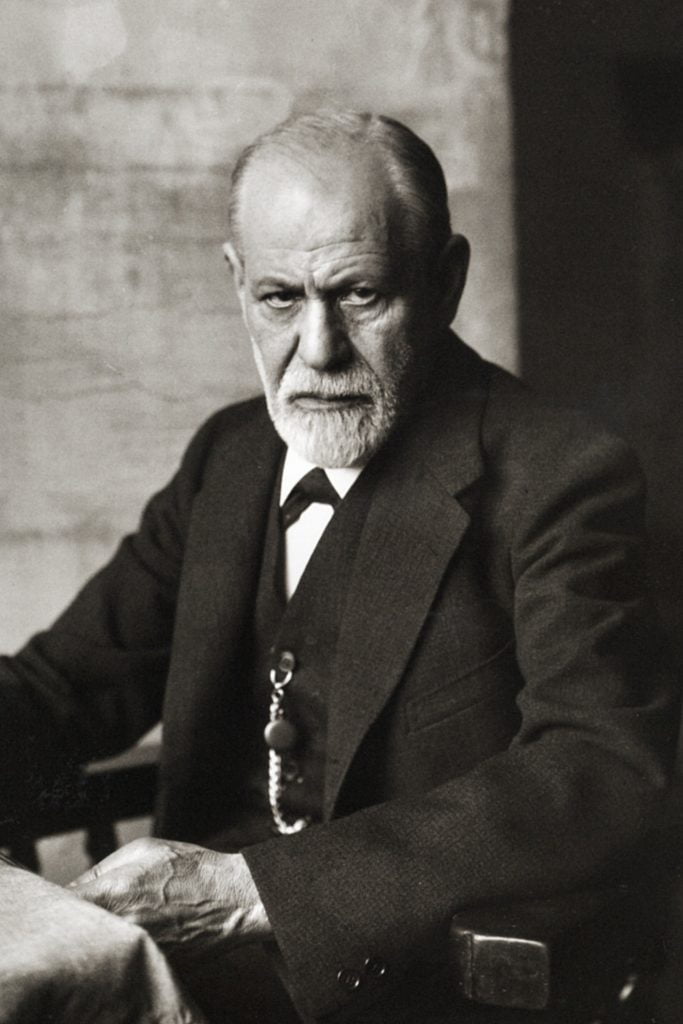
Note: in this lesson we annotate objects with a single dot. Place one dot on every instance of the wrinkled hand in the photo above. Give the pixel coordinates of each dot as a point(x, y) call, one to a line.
point(192, 901)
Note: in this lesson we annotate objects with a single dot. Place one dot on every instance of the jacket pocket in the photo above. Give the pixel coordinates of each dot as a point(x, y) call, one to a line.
point(460, 692)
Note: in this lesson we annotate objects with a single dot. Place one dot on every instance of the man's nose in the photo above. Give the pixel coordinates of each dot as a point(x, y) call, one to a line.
point(323, 342)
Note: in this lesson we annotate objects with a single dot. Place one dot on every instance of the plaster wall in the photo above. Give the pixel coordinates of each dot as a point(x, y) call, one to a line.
point(120, 331)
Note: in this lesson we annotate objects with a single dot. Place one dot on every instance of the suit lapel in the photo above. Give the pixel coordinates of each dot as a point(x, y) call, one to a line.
point(220, 573)
point(413, 528)
point(229, 520)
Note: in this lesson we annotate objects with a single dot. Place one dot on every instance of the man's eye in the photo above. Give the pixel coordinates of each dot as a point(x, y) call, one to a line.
point(360, 296)
point(279, 300)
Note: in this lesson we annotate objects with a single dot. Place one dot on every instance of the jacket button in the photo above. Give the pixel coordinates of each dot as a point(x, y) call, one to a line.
point(350, 980)
point(286, 661)
point(375, 967)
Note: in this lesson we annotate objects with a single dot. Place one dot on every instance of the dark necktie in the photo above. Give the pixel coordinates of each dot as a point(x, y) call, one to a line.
point(313, 487)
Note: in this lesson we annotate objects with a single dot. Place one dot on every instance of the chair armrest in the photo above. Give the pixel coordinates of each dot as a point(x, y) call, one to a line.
point(122, 786)
point(93, 798)
point(574, 950)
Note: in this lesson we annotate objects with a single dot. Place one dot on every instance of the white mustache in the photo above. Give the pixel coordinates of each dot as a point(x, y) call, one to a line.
point(301, 380)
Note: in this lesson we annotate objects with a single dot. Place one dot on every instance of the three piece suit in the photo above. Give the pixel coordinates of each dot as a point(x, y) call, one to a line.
point(497, 723)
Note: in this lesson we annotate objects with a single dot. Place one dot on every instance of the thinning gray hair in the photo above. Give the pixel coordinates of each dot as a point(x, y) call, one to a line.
point(414, 172)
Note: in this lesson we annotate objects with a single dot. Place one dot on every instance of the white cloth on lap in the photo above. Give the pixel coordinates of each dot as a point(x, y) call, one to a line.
point(67, 961)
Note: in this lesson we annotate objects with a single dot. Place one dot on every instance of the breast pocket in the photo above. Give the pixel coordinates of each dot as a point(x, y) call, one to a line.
point(497, 675)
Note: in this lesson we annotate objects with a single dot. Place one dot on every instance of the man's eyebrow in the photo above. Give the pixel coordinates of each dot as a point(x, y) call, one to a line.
point(370, 276)
point(275, 281)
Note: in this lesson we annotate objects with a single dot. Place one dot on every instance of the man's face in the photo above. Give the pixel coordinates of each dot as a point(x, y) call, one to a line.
point(335, 311)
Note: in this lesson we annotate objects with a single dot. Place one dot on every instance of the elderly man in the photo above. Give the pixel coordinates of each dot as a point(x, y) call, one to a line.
point(393, 614)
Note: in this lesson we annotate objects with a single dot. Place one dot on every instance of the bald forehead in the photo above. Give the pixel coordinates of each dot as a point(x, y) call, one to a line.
point(305, 201)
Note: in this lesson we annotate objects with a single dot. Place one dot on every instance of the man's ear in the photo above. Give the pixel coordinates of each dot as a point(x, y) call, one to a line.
point(451, 274)
point(236, 266)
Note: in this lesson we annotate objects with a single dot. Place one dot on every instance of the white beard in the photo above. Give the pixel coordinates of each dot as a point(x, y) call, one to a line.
point(336, 438)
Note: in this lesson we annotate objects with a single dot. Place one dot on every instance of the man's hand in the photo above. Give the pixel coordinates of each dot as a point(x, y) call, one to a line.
point(192, 901)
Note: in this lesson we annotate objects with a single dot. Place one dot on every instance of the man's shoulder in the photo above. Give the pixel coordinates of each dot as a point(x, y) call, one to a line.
point(517, 414)
point(238, 431)
point(513, 417)
point(251, 412)
point(222, 426)
point(537, 445)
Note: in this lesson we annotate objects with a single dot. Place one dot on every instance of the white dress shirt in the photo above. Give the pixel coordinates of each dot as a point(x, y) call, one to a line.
point(302, 536)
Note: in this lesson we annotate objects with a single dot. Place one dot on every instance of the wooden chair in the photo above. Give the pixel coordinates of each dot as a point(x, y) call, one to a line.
point(93, 799)
point(584, 958)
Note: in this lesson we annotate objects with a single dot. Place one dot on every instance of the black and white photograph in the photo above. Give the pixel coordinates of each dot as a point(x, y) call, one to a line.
point(341, 512)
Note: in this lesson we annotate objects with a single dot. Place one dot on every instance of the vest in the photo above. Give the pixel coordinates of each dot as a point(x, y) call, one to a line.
point(306, 628)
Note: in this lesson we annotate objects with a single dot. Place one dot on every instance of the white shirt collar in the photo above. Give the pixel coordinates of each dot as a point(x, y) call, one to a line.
point(295, 467)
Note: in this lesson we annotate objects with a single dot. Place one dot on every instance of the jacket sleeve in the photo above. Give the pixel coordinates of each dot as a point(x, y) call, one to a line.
point(93, 683)
point(571, 795)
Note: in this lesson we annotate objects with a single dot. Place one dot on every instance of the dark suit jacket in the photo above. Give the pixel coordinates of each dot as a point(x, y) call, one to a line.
point(499, 722)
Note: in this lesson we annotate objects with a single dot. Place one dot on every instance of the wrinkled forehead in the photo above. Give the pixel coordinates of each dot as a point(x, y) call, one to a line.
point(302, 202)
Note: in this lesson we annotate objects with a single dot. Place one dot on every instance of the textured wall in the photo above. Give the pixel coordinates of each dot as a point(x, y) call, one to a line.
point(119, 328)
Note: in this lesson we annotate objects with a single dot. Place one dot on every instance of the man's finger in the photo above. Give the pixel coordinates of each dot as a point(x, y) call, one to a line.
point(95, 871)
point(112, 891)
point(87, 876)
point(86, 888)
point(94, 892)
